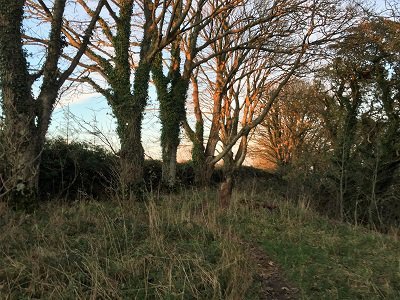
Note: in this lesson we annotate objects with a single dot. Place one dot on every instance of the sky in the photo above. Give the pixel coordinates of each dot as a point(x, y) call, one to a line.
point(81, 116)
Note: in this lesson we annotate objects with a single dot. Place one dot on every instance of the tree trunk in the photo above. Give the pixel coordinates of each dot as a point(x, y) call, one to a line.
point(169, 165)
point(131, 162)
point(203, 168)
point(129, 106)
point(203, 173)
point(172, 110)
point(23, 159)
point(226, 187)
point(21, 149)
point(26, 119)
point(132, 153)
point(170, 116)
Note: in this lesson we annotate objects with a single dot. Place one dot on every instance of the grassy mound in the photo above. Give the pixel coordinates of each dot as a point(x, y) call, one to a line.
point(182, 246)
point(325, 259)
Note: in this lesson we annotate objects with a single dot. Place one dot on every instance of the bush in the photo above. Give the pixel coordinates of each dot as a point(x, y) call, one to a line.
point(70, 170)
point(152, 174)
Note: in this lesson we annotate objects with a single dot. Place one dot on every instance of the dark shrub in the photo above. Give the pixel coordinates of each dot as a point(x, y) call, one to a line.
point(152, 173)
point(185, 173)
point(69, 170)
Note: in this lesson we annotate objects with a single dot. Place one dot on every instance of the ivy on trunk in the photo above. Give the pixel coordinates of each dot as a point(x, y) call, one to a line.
point(27, 119)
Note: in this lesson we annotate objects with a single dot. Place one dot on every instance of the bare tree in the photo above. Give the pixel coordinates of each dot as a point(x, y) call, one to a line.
point(242, 101)
point(27, 117)
point(292, 126)
point(249, 70)
point(225, 41)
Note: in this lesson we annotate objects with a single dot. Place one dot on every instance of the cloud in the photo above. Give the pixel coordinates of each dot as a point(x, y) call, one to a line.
point(75, 98)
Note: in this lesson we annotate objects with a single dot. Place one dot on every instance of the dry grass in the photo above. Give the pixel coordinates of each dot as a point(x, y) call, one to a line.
point(184, 247)
point(171, 248)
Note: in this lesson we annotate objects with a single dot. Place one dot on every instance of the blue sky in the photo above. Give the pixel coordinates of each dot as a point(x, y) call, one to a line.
point(87, 114)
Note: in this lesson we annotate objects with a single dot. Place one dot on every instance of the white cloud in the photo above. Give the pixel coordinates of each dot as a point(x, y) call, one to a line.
point(74, 98)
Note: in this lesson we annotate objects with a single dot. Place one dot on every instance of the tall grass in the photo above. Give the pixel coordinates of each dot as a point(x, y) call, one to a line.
point(170, 248)
point(183, 246)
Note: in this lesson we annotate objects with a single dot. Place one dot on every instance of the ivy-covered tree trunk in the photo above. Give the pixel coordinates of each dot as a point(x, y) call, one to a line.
point(21, 151)
point(27, 119)
point(132, 158)
point(128, 106)
point(172, 110)
point(172, 115)
point(172, 89)
point(128, 109)
point(169, 163)
point(128, 103)
point(202, 164)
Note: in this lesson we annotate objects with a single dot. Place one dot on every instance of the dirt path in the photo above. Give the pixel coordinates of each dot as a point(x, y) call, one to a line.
point(273, 285)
